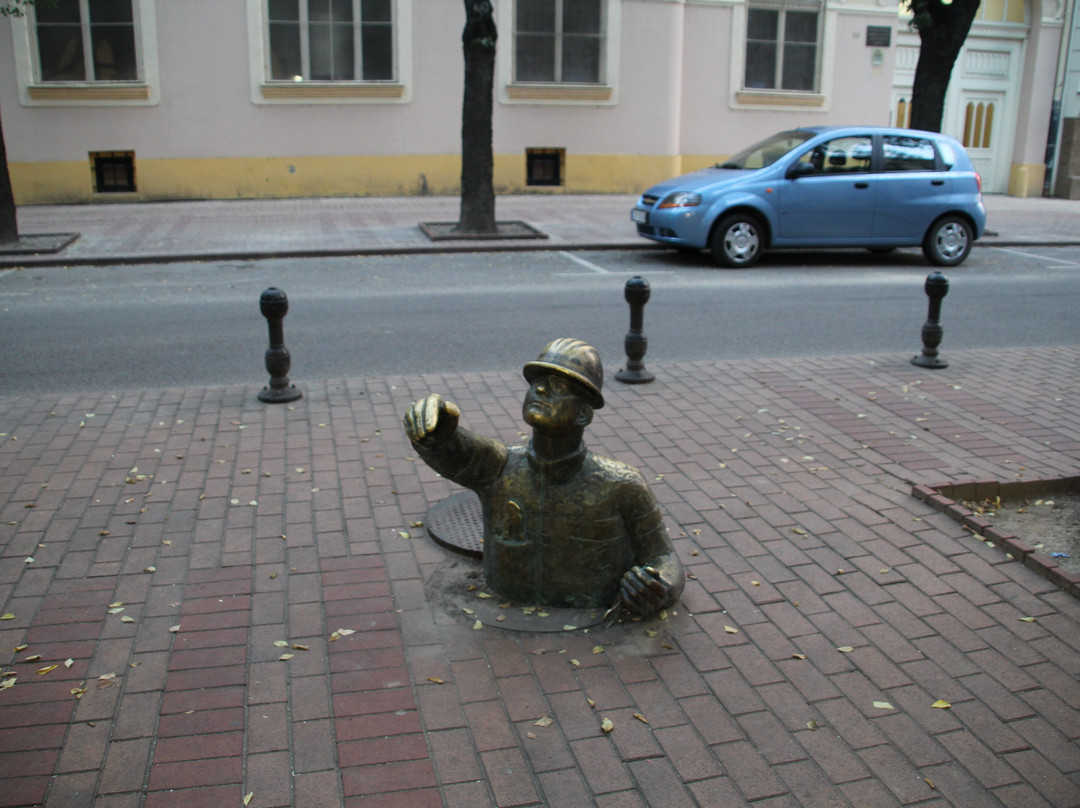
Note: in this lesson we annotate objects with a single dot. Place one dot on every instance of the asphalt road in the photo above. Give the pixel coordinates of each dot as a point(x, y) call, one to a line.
point(101, 328)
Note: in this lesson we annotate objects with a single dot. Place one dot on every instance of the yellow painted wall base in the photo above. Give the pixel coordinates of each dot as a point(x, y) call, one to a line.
point(284, 177)
point(696, 162)
point(1026, 179)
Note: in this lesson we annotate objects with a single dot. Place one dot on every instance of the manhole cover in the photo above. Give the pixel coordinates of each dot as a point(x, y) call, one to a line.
point(457, 523)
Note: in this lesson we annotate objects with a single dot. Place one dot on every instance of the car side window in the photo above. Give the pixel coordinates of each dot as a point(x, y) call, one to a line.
point(844, 155)
point(903, 153)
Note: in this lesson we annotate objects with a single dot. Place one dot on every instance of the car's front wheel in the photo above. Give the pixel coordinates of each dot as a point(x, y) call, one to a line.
point(948, 241)
point(737, 241)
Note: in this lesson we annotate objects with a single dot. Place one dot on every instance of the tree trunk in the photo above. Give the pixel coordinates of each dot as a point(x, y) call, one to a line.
point(942, 31)
point(9, 225)
point(477, 158)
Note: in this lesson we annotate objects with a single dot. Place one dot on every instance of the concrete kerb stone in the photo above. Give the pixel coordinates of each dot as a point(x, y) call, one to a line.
point(949, 498)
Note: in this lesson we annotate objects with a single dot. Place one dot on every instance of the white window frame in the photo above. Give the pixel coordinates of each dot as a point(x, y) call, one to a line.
point(145, 91)
point(782, 10)
point(358, 24)
point(604, 93)
point(558, 34)
point(265, 90)
point(742, 97)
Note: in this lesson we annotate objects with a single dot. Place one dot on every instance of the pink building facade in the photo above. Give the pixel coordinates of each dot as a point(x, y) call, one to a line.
point(106, 100)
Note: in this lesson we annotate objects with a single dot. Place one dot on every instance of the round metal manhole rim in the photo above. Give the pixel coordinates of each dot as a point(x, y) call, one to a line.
point(457, 523)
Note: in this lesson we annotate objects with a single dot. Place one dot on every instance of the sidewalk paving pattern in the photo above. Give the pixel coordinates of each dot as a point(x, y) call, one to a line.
point(195, 554)
point(258, 228)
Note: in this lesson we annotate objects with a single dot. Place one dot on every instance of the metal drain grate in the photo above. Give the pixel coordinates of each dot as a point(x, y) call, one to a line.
point(457, 523)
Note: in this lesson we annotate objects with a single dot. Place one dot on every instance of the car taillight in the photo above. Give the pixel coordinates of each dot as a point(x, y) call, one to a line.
point(978, 182)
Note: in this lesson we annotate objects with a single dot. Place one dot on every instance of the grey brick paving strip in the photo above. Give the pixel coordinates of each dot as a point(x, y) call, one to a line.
point(165, 549)
point(254, 228)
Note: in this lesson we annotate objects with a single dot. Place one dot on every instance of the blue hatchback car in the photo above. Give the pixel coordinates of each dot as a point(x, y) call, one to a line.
point(873, 187)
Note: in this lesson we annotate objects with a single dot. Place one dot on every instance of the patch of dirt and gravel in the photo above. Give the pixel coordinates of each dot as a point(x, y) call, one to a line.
point(1050, 524)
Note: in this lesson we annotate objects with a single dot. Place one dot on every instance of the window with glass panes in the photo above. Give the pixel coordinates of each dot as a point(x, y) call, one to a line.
point(558, 41)
point(86, 40)
point(782, 48)
point(331, 40)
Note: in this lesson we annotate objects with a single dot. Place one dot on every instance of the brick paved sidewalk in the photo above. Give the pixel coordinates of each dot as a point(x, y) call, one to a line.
point(201, 559)
point(255, 228)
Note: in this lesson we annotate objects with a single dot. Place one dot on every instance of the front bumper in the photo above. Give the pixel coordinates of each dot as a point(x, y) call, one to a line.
point(656, 227)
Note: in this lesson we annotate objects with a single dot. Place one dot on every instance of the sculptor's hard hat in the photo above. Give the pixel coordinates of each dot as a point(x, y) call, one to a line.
point(574, 359)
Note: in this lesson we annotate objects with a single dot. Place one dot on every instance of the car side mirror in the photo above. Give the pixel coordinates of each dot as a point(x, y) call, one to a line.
point(799, 170)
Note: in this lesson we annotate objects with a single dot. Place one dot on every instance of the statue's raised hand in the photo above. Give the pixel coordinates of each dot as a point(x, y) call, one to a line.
point(431, 419)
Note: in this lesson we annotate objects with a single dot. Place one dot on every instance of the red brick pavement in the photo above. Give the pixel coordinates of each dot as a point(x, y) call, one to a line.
point(165, 549)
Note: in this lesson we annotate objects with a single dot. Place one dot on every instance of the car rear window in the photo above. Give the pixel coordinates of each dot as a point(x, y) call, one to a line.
point(905, 153)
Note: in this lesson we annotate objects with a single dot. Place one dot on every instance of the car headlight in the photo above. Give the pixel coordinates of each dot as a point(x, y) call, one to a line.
point(681, 199)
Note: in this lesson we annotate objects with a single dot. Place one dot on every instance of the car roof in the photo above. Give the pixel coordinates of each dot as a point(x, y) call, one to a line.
point(873, 130)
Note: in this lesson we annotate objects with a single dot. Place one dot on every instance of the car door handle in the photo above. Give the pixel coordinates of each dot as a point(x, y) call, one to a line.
point(937, 182)
point(862, 185)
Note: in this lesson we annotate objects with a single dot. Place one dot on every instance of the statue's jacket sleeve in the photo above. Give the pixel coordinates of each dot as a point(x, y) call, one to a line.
point(466, 458)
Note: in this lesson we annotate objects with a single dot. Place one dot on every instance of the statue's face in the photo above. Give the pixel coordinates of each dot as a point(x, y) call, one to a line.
point(553, 406)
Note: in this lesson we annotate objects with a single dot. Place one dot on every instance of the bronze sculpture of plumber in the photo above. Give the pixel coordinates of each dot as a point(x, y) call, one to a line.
point(562, 526)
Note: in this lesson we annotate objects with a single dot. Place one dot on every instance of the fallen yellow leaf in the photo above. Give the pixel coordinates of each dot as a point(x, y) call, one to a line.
point(845, 649)
point(941, 705)
point(883, 705)
point(546, 721)
point(436, 680)
point(8, 616)
point(47, 669)
point(248, 797)
point(641, 718)
point(607, 725)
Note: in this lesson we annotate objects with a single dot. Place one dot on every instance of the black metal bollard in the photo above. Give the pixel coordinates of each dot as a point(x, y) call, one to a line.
point(274, 305)
point(637, 295)
point(937, 286)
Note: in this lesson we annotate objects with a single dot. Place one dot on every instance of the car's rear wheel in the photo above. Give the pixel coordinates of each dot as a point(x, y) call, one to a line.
point(948, 241)
point(737, 241)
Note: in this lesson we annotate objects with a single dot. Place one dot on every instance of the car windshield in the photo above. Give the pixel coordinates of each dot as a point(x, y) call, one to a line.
point(767, 151)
